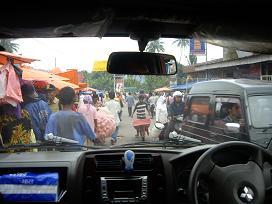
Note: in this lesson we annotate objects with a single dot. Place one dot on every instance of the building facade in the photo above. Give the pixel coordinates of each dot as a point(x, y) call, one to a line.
point(251, 67)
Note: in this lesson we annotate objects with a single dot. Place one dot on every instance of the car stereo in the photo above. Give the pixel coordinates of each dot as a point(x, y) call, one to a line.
point(124, 189)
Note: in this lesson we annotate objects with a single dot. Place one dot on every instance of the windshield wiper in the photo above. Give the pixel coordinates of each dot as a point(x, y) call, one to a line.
point(163, 143)
point(267, 128)
point(48, 146)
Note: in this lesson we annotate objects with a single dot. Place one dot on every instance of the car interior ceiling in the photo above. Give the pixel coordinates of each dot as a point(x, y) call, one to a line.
point(232, 24)
point(83, 174)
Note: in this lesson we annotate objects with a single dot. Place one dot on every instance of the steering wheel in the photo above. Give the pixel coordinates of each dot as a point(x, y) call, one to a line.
point(233, 184)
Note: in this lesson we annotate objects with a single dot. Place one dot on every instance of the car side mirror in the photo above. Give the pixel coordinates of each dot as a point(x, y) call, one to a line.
point(232, 127)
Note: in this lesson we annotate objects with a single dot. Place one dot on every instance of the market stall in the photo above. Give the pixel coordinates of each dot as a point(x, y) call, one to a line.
point(162, 89)
point(17, 59)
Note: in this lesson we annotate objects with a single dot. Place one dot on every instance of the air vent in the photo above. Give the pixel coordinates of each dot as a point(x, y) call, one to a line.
point(143, 162)
point(108, 162)
point(115, 162)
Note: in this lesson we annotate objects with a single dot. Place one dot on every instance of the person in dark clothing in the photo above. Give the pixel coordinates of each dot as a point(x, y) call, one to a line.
point(130, 103)
point(38, 110)
point(175, 109)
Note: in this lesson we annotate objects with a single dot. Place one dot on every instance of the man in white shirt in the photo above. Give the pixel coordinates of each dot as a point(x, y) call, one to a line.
point(115, 108)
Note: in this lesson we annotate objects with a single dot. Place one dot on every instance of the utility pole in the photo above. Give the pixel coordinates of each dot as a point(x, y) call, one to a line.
point(55, 62)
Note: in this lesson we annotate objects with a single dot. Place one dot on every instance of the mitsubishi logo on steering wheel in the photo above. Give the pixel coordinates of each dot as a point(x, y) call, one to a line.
point(246, 194)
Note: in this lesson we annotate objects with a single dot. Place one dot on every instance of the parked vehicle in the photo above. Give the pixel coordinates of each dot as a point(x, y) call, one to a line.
point(210, 104)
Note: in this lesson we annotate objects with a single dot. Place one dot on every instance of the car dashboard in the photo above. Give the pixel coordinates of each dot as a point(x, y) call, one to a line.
point(99, 176)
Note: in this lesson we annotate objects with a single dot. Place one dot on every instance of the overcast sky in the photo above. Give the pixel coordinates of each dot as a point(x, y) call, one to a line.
point(81, 53)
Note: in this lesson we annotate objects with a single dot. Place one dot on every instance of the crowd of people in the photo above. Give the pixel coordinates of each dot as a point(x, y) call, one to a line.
point(163, 108)
point(86, 117)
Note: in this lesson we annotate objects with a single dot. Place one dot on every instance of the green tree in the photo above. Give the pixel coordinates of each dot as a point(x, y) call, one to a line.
point(182, 44)
point(155, 46)
point(99, 80)
point(181, 76)
point(132, 81)
point(9, 45)
point(153, 82)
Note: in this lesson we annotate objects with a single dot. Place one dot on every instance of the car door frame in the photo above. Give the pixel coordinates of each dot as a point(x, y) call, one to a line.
point(219, 133)
point(195, 129)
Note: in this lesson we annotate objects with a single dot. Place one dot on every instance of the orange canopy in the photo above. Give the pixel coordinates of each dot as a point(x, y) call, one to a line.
point(17, 59)
point(58, 81)
point(61, 84)
point(71, 74)
point(55, 70)
point(33, 74)
point(82, 85)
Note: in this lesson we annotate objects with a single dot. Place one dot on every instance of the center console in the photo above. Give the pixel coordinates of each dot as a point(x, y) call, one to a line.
point(106, 181)
point(124, 190)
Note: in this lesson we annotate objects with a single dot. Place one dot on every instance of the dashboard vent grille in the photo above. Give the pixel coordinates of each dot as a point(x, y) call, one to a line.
point(143, 162)
point(108, 162)
point(116, 163)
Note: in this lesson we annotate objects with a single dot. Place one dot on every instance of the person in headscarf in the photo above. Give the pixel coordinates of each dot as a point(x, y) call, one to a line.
point(162, 114)
point(161, 111)
point(89, 111)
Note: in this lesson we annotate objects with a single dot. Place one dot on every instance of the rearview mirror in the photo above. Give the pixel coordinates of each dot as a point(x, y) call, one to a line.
point(141, 63)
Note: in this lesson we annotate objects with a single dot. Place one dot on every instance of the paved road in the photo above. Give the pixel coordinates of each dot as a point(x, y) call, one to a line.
point(126, 130)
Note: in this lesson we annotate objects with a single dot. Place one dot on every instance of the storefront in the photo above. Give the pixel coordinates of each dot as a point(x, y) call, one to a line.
point(250, 67)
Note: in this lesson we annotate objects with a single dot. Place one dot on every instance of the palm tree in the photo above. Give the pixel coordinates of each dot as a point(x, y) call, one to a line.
point(9, 45)
point(155, 46)
point(182, 44)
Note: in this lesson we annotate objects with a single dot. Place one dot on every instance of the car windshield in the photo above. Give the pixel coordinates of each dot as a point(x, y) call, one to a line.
point(58, 89)
point(261, 111)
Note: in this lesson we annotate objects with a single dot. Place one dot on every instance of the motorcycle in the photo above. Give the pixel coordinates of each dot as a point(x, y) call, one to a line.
point(178, 124)
point(175, 125)
point(176, 135)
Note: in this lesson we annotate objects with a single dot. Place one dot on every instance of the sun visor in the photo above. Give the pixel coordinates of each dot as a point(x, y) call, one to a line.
point(238, 37)
point(91, 28)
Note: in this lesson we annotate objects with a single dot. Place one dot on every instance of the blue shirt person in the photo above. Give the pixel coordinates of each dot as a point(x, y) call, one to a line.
point(67, 123)
point(38, 110)
point(70, 125)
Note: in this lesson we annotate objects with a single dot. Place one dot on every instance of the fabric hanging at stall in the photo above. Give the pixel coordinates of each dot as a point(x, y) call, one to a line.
point(10, 88)
point(18, 71)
